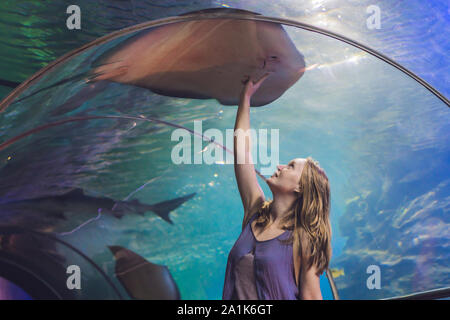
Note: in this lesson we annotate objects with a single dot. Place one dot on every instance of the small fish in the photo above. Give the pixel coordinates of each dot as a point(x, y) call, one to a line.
point(336, 273)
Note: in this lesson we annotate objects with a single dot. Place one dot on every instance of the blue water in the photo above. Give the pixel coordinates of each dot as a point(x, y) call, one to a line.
point(382, 138)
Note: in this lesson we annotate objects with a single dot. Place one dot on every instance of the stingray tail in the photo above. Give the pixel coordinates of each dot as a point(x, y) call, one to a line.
point(163, 209)
point(61, 82)
point(88, 76)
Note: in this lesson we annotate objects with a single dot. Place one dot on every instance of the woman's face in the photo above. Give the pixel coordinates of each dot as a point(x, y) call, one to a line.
point(287, 177)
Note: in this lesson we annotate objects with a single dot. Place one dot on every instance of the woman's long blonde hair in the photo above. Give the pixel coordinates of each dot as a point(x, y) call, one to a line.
point(309, 218)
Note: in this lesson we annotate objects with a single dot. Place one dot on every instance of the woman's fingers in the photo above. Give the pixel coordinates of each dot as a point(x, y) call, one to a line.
point(264, 77)
point(246, 79)
point(250, 87)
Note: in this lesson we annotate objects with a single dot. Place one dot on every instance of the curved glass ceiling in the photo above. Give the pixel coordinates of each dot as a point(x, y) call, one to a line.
point(382, 138)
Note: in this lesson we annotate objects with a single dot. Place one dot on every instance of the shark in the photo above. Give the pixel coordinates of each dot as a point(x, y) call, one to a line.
point(57, 207)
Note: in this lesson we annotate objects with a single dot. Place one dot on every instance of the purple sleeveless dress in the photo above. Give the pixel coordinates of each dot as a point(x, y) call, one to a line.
point(262, 270)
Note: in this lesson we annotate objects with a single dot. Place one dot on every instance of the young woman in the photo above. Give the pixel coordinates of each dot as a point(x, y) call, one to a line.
point(285, 242)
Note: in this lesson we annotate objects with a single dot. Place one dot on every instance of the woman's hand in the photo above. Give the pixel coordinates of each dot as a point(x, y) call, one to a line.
point(251, 87)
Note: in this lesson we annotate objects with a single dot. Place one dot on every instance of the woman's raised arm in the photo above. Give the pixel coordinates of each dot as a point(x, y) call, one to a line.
point(251, 193)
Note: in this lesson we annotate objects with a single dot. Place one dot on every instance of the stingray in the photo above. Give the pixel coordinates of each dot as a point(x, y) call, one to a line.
point(206, 59)
point(142, 279)
point(201, 59)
